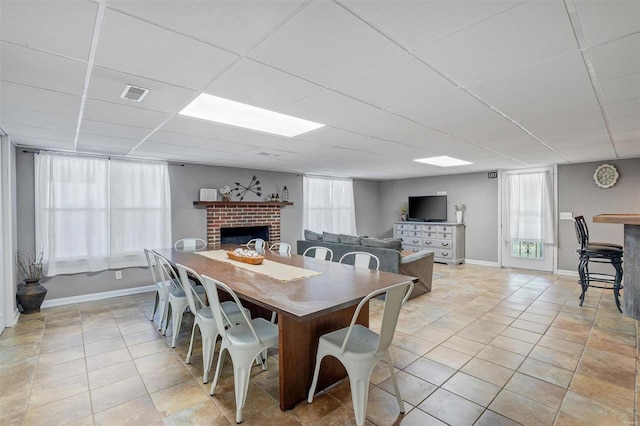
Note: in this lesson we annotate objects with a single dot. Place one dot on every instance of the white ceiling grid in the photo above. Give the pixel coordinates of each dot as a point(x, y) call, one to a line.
point(503, 84)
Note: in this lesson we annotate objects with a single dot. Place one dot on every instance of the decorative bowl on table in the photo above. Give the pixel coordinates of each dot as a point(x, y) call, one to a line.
point(247, 256)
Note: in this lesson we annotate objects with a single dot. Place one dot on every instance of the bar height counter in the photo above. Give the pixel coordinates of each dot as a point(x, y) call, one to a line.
point(631, 278)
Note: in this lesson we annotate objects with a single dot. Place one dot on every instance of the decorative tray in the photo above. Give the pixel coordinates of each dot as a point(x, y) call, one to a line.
point(251, 260)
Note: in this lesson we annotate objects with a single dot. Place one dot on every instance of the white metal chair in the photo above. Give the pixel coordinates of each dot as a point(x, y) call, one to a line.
point(244, 342)
point(204, 320)
point(283, 249)
point(361, 259)
point(162, 292)
point(359, 349)
point(257, 244)
point(319, 253)
point(178, 301)
point(190, 244)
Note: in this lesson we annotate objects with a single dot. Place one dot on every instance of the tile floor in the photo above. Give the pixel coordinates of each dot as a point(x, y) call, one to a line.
point(487, 346)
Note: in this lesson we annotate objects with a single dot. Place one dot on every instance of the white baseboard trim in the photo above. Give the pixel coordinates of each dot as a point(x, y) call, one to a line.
point(97, 296)
point(481, 262)
point(16, 317)
point(567, 272)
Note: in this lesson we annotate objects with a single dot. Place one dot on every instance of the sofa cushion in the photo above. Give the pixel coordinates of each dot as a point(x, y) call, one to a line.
point(330, 238)
point(312, 236)
point(354, 240)
point(391, 243)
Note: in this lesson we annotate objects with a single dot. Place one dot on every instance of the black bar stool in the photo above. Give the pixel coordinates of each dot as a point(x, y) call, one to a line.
point(598, 253)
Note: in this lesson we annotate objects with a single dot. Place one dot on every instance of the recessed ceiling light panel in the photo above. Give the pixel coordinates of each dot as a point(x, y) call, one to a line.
point(134, 93)
point(443, 161)
point(220, 110)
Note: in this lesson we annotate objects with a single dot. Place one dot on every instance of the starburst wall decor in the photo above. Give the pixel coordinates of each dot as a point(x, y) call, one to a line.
point(254, 186)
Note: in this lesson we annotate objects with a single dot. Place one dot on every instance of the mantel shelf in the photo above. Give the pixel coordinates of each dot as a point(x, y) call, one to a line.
point(242, 203)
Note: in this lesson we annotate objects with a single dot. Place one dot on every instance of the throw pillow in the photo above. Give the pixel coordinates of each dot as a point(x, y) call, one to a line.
point(312, 236)
point(354, 240)
point(328, 237)
point(390, 243)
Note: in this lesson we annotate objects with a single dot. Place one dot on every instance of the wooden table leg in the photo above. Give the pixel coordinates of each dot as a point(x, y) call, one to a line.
point(297, 353)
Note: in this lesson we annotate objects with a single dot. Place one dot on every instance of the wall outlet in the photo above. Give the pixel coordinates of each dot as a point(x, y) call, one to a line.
point(118, 275)
point(566, 215)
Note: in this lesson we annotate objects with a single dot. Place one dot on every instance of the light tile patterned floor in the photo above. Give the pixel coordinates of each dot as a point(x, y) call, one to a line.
point(487, 346)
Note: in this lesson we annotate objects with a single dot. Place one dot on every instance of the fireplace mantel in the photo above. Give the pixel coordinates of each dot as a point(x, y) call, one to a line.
point(242, 203)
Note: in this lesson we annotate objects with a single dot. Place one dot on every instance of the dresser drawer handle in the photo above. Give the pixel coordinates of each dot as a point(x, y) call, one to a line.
point(428, 243)
point(445, 244)
point(445, 254)
point(416, 241)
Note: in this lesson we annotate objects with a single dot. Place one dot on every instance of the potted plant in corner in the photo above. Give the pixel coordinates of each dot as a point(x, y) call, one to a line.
point(30, 294)
point(460, 208)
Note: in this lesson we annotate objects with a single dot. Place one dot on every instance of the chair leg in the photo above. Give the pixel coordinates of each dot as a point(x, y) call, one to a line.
point(177, 322)
point(155, 306)
point(193, 338)
point(241, 374)
point(617, 263)
point(389, 360)
point(208, 348)
point(583, 272)
point(359, 376)
point(218, 369)
point(314, 382)
point(167, 316)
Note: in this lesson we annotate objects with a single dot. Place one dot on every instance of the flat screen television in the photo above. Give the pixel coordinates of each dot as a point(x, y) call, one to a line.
point(428, 208)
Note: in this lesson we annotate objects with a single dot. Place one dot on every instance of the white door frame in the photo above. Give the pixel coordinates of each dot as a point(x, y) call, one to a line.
point(555, 213)
point(7, 222)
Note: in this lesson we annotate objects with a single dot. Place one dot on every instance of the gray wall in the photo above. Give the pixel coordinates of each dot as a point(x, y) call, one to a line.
point(366, 194)
point(187, 220)
point(479, 193)
point(577, 193)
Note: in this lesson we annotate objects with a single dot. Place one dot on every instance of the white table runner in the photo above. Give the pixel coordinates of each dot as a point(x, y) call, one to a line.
point(275, 270)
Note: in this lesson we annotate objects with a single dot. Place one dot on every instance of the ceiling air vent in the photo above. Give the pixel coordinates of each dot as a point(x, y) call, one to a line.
point(134, 93)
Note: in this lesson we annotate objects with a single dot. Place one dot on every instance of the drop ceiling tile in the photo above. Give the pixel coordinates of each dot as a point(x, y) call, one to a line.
point(624, 115)
point(30, 67)
point(233, 25)
point(603, 21)
point(459, 114)
point(107, 85)
point(616, 59)
point(177, 139)
point(101, 128)
point(135, 47)
point(61, 27)
point(566, 125)
point(540, 158)
point(40, 100)
point(259, 85)
point(629, 147)
point(205, 155)
point(626, 135)
point(327, 107)
point(374, 123)
point(138, 153)
point(121, 114)
point(256, 139)
point(621, 89)
point(196, 127)
point(397, 82)
point(519, 37)
point(226, 147)
point(162, 147)
point(326, 45)
point(32, 142)
point(38, 132)
point(105, 144)
point(584, 156)
point(417, 23)
point(37, 119)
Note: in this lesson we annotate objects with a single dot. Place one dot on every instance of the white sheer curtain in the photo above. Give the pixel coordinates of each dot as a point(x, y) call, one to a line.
point(529, 207)
point(328, 205)
point(94, 214)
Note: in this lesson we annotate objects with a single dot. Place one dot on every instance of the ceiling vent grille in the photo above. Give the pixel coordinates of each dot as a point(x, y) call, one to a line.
point(134, 93)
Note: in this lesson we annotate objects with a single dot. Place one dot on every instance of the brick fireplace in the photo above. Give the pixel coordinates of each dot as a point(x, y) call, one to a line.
point(229, 214)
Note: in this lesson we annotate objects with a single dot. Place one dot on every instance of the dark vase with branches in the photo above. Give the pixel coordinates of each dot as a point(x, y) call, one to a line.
point(31, 294)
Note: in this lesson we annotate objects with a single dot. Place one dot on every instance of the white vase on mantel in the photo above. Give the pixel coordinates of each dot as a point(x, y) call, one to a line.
point(459, 216)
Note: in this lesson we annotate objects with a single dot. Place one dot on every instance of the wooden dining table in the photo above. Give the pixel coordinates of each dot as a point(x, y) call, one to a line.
point(307, 308)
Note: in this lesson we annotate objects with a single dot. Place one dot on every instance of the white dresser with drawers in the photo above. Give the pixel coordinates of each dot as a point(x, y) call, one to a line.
point(445, 239)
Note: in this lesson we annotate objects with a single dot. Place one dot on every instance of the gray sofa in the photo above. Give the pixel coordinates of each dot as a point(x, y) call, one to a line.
point(419, 264)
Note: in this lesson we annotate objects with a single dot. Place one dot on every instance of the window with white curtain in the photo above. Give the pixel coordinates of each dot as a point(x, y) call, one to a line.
point(529, 207)
point(94, 214)
point(328, 205)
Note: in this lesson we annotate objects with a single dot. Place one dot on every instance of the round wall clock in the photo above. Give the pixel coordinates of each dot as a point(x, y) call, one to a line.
point(606, 176)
